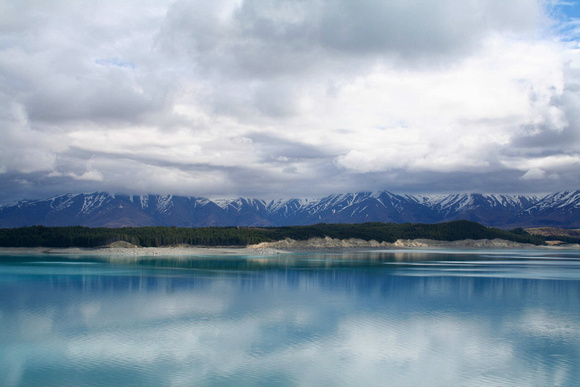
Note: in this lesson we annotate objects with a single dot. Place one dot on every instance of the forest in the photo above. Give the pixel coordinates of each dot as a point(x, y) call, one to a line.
point(41, 236)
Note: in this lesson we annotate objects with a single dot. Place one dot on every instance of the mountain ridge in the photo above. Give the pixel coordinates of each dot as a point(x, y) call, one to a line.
point(101, 209)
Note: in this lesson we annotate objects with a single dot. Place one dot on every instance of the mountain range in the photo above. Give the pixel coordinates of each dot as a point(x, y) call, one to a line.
point(99, 209)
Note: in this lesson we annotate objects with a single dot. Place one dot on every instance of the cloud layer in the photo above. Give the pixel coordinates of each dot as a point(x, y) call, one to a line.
point(288, 98)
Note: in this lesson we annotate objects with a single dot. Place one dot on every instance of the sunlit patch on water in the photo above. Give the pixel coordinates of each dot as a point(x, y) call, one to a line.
point(358, 318)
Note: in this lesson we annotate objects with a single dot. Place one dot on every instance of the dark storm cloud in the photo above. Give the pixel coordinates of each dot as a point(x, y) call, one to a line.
point(264, 39)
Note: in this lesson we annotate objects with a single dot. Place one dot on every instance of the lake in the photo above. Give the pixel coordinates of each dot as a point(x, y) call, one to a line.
point(400, 318)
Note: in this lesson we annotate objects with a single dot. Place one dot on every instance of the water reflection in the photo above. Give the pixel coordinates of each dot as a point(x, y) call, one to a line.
point(406, 319)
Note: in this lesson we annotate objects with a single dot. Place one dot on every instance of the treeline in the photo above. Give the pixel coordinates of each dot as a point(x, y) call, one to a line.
point(37, 236)
point(78, 236)
point(391, 232)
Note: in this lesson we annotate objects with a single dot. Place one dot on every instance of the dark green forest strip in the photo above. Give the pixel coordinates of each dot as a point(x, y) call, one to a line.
point(40, 236)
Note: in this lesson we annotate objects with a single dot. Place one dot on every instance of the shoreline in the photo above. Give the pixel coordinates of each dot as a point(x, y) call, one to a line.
point(193, 251)
point(286, 246)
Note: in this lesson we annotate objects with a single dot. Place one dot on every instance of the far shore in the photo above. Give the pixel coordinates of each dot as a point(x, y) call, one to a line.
point(141, 251)
point(280, 247)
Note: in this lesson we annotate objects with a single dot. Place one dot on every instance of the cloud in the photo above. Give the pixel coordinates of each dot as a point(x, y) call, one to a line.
point(23, 148)
point(534, 174)
point(288, 97)
point(257, 39)
point(92, 175)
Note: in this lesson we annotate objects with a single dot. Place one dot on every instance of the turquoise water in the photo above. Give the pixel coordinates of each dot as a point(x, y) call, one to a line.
point(438, 318)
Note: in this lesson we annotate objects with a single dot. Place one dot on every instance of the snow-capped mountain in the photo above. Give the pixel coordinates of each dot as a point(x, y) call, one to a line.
point(100, 209)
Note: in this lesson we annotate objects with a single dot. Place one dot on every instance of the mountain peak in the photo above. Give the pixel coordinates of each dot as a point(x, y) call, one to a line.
point(560, 209)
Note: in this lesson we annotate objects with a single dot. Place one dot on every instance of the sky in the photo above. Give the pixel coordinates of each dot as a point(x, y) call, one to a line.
point(288, 98)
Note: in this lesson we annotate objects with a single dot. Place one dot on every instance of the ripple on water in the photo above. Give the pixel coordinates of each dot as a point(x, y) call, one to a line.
point(439, 322)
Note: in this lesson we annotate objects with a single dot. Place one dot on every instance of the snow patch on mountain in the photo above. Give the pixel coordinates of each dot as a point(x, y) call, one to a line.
point(223, 203)
point(144, 200)
point(164, 203)
point(94, 201)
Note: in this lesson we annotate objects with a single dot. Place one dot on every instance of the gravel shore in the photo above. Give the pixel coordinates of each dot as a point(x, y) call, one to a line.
point(330, 243)
point(273, 248)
